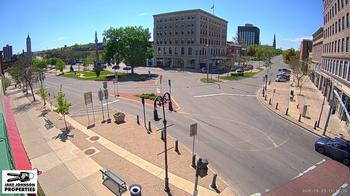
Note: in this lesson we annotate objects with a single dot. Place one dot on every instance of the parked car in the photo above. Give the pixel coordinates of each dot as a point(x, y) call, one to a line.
point(283, 74)
point(281, 79)
point(248, 67)
point(284, 70)
point(338, 149)
point(127, 68)
point(115, 67)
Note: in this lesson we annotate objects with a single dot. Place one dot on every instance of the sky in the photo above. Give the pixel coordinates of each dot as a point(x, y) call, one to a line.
point(53, 24)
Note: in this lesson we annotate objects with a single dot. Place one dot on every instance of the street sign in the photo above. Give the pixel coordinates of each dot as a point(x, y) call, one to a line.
point(105, 85)
point(100, 95)
point(193, 129)
point(88, 98)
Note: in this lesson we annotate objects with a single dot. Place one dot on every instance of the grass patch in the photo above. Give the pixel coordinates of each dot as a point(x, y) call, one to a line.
point(150, 96)
point(91, 75)
point(236, 76)
point(205, 80)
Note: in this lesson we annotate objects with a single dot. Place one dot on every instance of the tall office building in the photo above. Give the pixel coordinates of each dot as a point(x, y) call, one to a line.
point(248, 35)
point(335, 60)
point(7, 50)
point(190, 38)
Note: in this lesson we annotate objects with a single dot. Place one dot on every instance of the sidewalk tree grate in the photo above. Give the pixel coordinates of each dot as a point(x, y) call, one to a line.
point(94, 138)
point(90, 151)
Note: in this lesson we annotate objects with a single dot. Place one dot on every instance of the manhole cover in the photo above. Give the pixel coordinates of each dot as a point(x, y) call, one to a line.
point(89, 151)
point(94, 138)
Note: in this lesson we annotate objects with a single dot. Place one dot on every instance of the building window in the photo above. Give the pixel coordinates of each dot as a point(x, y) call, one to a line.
point(170, 50)
point(343, 23)
point(336, 26)
point(347, 44)
point(347, 20)
point(338, 45)
point(345, 70)
point(159, 50)
point(342, 45)
point(164, 50)
point(340, 69)
point(175, 50)
point(182, 50)
point(189, 51)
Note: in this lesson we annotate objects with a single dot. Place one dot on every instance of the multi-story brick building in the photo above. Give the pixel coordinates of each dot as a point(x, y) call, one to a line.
point(305, 49)
point(335, 61)
point(190, 38)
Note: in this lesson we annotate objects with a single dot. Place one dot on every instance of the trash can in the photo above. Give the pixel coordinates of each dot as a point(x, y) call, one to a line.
point(135, 190)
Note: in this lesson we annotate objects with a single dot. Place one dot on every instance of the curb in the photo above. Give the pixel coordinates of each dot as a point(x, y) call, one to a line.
point(288, 118)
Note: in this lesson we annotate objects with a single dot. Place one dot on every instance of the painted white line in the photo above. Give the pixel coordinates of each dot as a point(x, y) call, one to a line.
point(320, 162)
point(110, 102)
point(256, 194)
point(224, 94)
point(304, 172)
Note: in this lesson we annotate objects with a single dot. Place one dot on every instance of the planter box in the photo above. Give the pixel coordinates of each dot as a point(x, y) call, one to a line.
point(119, 117)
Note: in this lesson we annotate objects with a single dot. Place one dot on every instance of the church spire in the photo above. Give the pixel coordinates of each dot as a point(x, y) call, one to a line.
point(274, 41)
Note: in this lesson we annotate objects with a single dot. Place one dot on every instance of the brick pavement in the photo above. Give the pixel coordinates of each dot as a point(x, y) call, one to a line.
point(61, 159)
point(309, 96)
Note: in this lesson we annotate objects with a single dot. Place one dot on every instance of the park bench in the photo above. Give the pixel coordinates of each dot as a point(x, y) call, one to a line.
point(108, 176)
point(48, 123)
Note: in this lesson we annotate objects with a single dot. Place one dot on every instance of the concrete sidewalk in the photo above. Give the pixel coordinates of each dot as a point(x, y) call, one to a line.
point(70, 162)
point(278, 94)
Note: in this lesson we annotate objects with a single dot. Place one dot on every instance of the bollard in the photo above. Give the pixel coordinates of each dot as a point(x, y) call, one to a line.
point(149, 127)
point(263, 92)
point(177, 146)
point(287, 111)
point(270, 101)
point(299, 118)
point(138, 119)
point(194, 161)
point(315, 125)
point(135, 190)
point(265, 97)
point(277, 106)
point(213, 182)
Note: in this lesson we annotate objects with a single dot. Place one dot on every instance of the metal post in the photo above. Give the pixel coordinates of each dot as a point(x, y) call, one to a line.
point(319, 117)
point(87, 111)
point(193, 147)
point(166, 189)
point(195, 191)
point(149, 127)
point(193, 161)
point(108, 119)
point(327, 121)
point(144, 112)
point(93, 112)
point(169, 82)
point(138, 119)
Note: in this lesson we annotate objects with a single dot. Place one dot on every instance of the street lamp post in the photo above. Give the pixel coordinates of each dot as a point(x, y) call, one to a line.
point(324, 98)
point(161, 100)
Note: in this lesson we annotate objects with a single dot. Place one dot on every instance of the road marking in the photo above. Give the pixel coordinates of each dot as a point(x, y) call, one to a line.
point(339, 189)
point(304, 172)
point(256, 194)
point(224, 94)
point(320, 162)
point(110, 102)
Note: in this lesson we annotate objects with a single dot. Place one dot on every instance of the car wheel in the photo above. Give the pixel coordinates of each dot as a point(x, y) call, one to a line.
point(346, 161)
point(321, 150)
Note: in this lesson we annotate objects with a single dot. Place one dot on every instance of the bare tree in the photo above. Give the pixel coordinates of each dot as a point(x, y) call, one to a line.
point(300, 70)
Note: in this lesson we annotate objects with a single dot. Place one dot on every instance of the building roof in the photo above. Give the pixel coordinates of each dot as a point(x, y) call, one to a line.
point(189, 11)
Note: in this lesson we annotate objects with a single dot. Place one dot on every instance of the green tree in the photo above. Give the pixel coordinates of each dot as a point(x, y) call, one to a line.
point(129, 44)
point(59, 63)
point(43, 93)
point(6, 82)
point(40, 66)
point(62, 106)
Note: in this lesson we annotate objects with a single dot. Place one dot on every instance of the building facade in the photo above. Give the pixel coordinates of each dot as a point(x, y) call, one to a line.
point(335, 60)
point(317, 45)
point(248, 35)
point(190, 39)
point(305, 49)
point(7, 52)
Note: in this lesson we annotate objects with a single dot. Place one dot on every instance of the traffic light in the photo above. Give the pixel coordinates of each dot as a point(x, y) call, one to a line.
point(202, 167)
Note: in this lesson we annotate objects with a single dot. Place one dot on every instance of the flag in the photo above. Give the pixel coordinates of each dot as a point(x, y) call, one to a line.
point(212, 7)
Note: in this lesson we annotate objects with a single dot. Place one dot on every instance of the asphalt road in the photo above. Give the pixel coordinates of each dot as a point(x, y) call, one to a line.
point(253, 149)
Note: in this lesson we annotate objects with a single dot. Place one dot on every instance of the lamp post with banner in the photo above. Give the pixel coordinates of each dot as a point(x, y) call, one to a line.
point(100, 97)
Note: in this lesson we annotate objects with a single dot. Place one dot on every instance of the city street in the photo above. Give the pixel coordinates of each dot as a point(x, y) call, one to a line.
point(251, 148)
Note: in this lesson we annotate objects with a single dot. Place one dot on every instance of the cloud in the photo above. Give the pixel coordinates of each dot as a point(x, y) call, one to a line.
point(298, 39)
point(143, 14)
